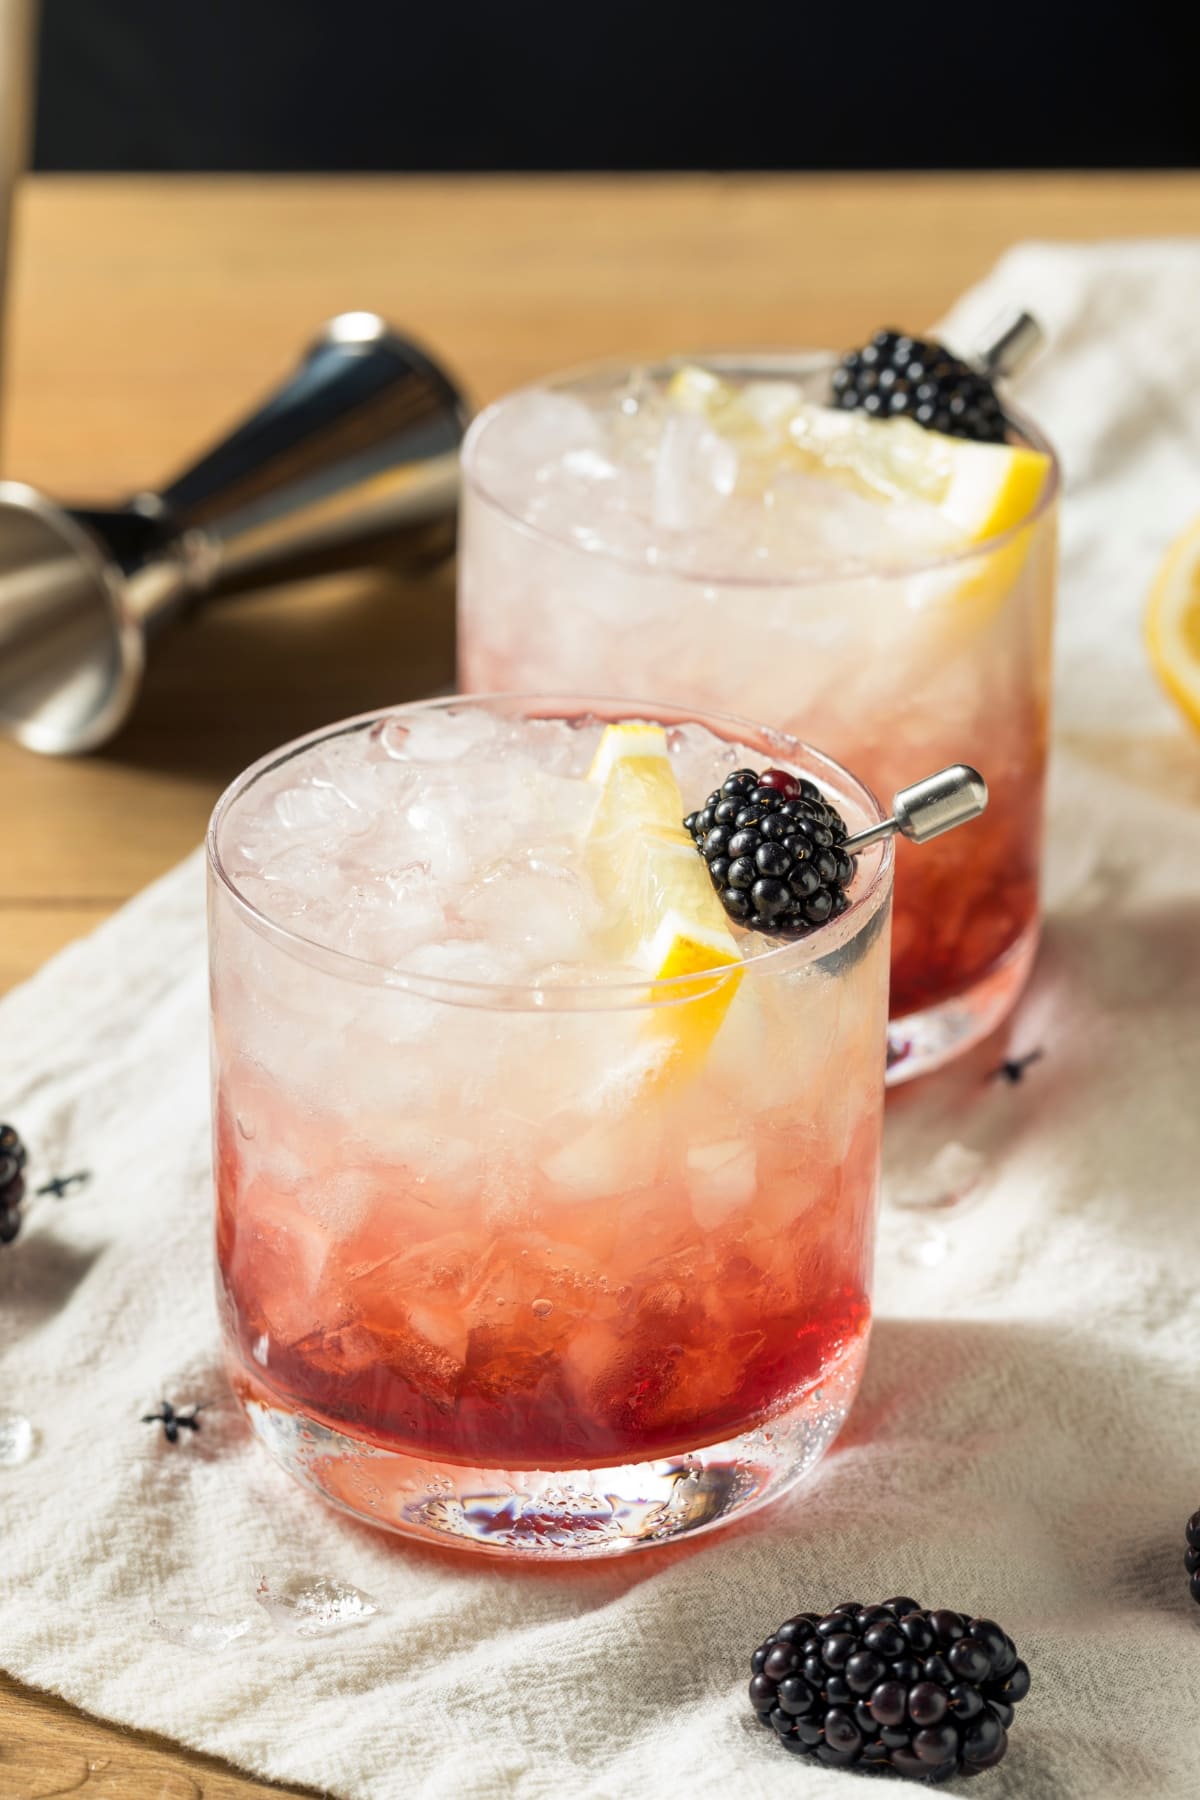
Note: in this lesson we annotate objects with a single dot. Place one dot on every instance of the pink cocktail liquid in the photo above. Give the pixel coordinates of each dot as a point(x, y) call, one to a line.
point(500, 1270)
point(603, 539)
point(610, 1341)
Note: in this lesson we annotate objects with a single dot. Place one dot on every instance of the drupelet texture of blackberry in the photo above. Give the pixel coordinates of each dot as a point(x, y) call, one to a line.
point(1191, 1561)
point(772, 846)
point(890, 1688)
point(896, 376)
point(12, 1183)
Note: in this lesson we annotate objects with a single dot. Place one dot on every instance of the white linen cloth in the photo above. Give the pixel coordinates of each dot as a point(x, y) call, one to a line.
point(1024, 1443)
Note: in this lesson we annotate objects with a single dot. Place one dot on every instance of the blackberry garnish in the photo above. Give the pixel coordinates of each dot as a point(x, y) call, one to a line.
point(1191, 1561)
point(772, 844)
point(895, 376)
point(924, 1694)
point(12, 1183)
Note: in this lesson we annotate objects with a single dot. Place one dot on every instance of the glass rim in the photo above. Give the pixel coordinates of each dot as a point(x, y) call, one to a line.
point(644, 994)
point(764, 363)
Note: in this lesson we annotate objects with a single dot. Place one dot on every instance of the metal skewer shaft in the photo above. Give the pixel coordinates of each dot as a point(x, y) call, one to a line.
point(1008, 344)
point(927, 808)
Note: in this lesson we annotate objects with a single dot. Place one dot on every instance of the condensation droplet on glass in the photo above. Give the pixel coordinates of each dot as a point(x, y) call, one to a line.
point(17, 1440)
point(246, 1127)
point(543, 1308)
point(261, 1349)
point(314, 1605)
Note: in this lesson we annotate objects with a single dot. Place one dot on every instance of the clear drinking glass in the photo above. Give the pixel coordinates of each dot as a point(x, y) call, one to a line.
point(893, 669)
point(494, 1267)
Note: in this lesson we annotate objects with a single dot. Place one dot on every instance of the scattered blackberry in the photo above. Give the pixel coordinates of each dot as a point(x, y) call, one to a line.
point(12, 1183)
point(772, 844)
point(924, 1694)
point(1191, 1561)
point(898, 376)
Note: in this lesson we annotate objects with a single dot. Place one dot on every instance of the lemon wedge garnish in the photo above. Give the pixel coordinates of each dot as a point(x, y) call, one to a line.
point(979, 490)
point(989, 487)
point(665, 915)
point(1173, 623)
point(968, 492)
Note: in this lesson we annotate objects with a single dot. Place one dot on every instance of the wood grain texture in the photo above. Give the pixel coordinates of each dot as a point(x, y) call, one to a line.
point(147, 313)
point(48, 1748)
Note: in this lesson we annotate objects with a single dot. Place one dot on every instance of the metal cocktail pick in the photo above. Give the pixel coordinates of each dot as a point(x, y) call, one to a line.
point(929, 807)
point(1008, 343)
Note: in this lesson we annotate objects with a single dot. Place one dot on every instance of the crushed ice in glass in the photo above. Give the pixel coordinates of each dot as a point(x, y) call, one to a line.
point(203, 1633)
point(17, 1440)
point(314, 1605)
point(678, 478)
point(450, 842)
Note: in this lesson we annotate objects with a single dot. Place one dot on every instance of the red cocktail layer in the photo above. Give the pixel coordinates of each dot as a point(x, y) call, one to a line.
point(552, 1343)
point(965, 900)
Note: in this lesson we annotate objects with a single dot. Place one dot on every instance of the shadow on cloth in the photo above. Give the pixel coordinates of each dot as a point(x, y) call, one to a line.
point(38, 1281)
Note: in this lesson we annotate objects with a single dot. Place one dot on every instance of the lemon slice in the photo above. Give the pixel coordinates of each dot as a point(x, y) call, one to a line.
point(986, 491)
point(990, 487)
point(960, 492)
point(666, 916)
point(979, 489)
point(1173, 623)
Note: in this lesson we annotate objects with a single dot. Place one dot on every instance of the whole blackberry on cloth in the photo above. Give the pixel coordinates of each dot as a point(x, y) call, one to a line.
point(12, 1183)
point(772, 846)
point(897, 376)
point(1191, 1561)
point(921, 1693)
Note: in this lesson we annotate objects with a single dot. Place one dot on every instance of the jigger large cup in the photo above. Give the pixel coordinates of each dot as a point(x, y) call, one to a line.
point(353, 459)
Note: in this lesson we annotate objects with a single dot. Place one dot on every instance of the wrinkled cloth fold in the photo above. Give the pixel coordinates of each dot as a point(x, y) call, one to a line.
point(1022, 1445)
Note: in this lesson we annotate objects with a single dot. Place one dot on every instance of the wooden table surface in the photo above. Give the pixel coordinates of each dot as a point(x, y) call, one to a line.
point(147, 313)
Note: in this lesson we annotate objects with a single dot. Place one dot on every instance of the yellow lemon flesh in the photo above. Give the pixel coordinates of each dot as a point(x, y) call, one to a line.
point(969, 492)
point(1173, 623)
point(665, 916)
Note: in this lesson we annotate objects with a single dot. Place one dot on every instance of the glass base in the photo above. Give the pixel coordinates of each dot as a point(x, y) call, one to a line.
point(923, 1041)
point(557, 1515)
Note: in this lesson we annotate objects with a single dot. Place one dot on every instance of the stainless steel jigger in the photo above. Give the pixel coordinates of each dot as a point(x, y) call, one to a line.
point(929, 807)
point(354, 459)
